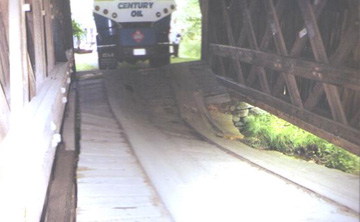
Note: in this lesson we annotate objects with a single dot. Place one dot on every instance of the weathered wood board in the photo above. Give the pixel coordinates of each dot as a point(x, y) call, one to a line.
point(111, 185)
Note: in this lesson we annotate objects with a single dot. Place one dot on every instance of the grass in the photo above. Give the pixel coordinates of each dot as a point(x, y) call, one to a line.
point(86, 62)
point(181, 60)
point(190, 48)
point(266, 131)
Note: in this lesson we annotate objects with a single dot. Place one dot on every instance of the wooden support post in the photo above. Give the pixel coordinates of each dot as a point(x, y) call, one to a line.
point(39, 43)
point(204, 4)
point(50, 52)
point(221, 62)
point(332, 93)
point(214, 39)
point(68, 25)
point(19, 87)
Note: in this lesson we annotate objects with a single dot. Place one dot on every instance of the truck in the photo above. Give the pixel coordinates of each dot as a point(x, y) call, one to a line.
point(133, 30)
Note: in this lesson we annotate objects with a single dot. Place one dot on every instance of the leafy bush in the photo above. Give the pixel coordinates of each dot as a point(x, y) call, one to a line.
point(277, 134)
point(78, 32)
point(190, 17)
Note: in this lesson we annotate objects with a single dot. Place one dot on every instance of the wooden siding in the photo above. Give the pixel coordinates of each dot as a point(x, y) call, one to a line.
point(4, 70)
point(42, 51)
point(33, 87)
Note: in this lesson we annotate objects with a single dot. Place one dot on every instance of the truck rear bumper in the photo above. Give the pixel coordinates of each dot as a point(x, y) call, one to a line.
point(144, 52)
point(110, 53)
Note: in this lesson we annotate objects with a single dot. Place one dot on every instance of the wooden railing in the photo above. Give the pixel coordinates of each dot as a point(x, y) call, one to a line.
point(296, 59)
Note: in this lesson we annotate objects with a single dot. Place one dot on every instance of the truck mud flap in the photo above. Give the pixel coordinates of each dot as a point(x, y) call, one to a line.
point(107, 57)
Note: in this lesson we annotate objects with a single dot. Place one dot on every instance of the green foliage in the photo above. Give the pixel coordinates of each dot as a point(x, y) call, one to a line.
point(277, 134)
point(190, 17)
point(86, 62)
point(78, 32)
point(181, 60)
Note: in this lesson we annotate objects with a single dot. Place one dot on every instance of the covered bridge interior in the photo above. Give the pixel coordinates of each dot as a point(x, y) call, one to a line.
point(297, 59)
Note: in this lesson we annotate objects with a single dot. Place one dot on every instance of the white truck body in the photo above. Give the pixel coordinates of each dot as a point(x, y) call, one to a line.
point(134, 11)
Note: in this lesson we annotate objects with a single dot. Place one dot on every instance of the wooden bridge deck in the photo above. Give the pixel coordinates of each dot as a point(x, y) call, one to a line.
point(111, 184)
point(298, 59)
point(193, 179)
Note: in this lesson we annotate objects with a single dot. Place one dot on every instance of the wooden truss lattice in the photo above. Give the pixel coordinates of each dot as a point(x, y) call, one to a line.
point(298, 59)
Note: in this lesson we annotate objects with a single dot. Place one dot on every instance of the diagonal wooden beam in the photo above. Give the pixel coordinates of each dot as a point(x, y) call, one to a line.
point(318, 48)
point(242, 35)
point(280, 8)
point(281, 48)
point(299, 45)
point(346, 46)
point(343, 50)
point(351, 37)
point(230, 35)
point(302, 39)
point(264, 83)
point(338, 58)
point(249, 27)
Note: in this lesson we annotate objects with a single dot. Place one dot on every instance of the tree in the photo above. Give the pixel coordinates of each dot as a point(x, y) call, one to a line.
point(78, 32)
point(190, 17)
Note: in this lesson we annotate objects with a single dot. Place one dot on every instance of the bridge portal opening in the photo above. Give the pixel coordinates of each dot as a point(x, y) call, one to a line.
point(186, 21)
point(108, 34)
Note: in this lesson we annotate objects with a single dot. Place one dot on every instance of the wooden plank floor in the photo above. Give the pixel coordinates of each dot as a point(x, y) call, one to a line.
point(111, 186)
